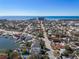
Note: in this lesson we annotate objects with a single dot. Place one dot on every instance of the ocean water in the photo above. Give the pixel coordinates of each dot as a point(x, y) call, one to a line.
point(31, 17)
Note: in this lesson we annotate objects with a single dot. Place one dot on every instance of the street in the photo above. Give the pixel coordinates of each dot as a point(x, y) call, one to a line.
point(47, 43)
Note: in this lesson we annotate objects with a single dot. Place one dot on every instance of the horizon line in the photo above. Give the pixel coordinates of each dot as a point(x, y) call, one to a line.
point(36, 16)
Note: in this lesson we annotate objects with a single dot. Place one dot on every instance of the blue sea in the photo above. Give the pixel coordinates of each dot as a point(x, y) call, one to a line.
point(31, 17)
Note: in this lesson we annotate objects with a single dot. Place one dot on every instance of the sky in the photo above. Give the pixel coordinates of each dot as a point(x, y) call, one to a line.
point(39, 7)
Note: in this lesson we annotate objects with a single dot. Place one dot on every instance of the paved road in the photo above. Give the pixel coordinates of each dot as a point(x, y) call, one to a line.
point(26, 28)
point(12, 32)
point(47, 43)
